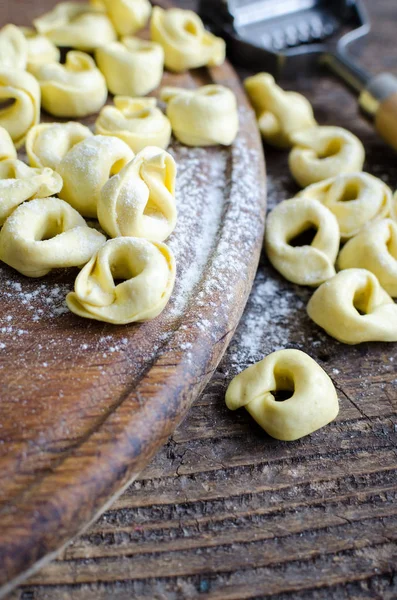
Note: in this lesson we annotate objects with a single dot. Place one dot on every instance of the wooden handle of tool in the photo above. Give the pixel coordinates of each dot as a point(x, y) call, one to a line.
point(386, 120)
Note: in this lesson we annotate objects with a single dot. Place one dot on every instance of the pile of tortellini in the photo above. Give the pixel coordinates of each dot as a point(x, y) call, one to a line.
point(123, 176)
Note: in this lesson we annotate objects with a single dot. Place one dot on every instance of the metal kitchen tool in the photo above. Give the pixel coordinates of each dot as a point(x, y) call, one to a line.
point(291, 37)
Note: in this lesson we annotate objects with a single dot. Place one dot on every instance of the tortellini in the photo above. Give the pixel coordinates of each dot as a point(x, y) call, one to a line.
point(279, 113)
point(76, 25)
point(374, 249)
point(128, 16)
point(13, 48)
point(303, 264)
point(48, 143)
point(45, 234)
point(87, 167)
point(313, 402)
point(140, 200)
point(7, 148)
point(203, 117)
point(323, 152)
point(75, 89)
point(132, 67)
point(355, 199)
point(186, 43)
point(148, 271)
point(19, 183)
point(352, 307)
point(19, 117)
point(136, 121)
point(40, 50)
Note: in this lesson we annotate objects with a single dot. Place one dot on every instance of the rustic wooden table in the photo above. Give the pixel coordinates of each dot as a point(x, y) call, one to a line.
point(224, 512)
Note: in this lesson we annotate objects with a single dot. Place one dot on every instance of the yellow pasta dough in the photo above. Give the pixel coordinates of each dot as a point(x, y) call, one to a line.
point(303, 264)
point(40, 50)
point(353, 308)
point(136, 121)
point(75, 89)
point(13, 48)
point(313, 402)
point(7, 148)
point(87, 167)
point(19, 183)
point(374, 249)
point(128, 16)
point(203, 117)
point(132, 67)
point(323, 152)
point(140, 200)
point(24, 113)
point(45, 234)
point(279, 113)
point(186, 43)
point(77, 25)
point(393, 211)
point(148, 271)
point(48, 143)
point(355, 199)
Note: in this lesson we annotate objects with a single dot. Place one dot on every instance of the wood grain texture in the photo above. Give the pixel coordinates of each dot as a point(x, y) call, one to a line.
point(224, 512)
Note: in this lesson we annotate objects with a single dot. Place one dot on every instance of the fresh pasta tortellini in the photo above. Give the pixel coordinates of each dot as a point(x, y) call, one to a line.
point(76, 25)
point(87, 167)
point(313, 402)
point(140, 200)
point(309, 264)
point(128, 16)
point(75, 89)
point(136, 121)
point(279, 113)
point(40, 50)
point(46, 234)
point(352, 307)
point(355, 199)
point(374, 249)
point(48, 143)
point(148, 271)
point(13, 48)
point(18, 118)
point(323, 152)
point(132, 67)
point(19, 183)
point(186, 43)
point(203, 117)
point(7, 148)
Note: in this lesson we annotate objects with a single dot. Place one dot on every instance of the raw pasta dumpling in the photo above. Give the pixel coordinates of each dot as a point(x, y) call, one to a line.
point(186, 43)
point(7, 148)
point(128, 16)
point(203, 117)
point(13, 48)
point(302, 261)
point(148, 273)
point(87, 167)
point(75, 89)
point(132, 67)
point(136, 121)
point(352, 307)
point(312, 404)
point(279, 113)
point(355, 199)
point(140, 200)
point(20, 116)
point(323, 152)
point(40, 49)
point(46, 234)
point(48, 143)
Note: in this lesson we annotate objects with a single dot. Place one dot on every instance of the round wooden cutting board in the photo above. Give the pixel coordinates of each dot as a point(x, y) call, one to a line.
point(85, 405)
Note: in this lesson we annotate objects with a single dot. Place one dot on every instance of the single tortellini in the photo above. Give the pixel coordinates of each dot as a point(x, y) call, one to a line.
point(7, 148)
point(132, 67)
point(20, 116)
point(13, 48)
point(48, 143)
point(74, 89)
point(128, 16)
point(186, 43)
point(19, 183)
point(279, 113)
point(148, 271)
point(354, 198)
point(203, 117)
point(323, 152)
point(46, 234)
point(77, 25)
point(306, 263)
point(136, 121)
point(374, 249)
point(87, 167)
point(140, 200)
point(40, 50)
point(313, 402)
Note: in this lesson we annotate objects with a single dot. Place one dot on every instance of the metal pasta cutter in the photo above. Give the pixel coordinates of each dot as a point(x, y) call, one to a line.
point(289, 37)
